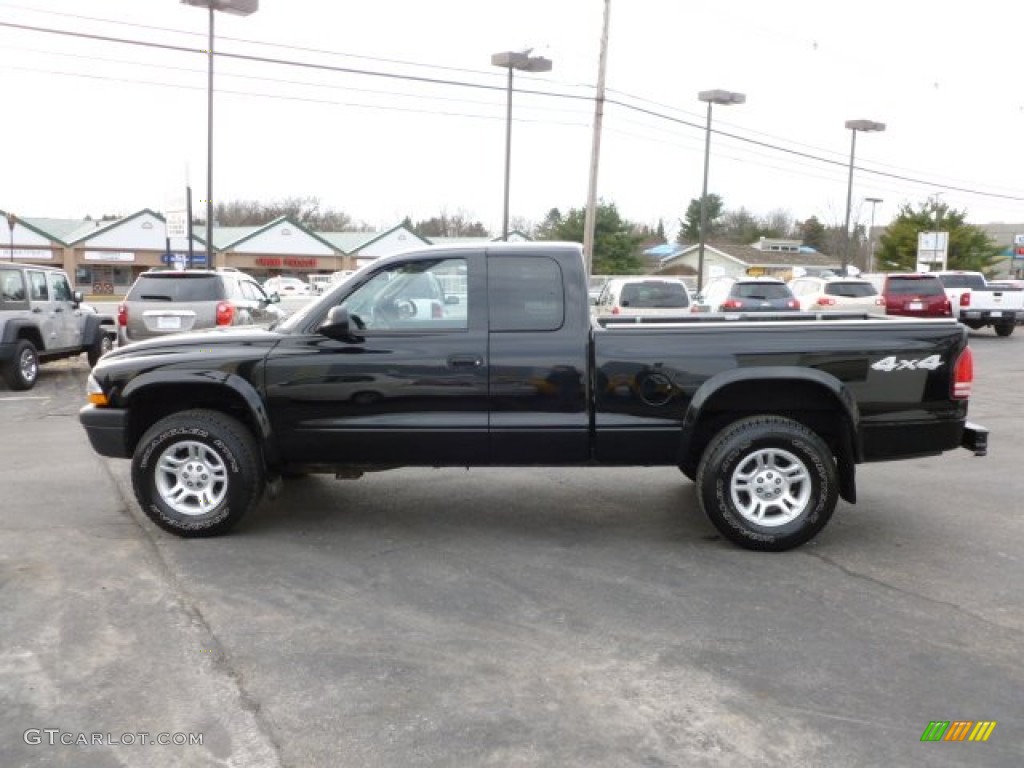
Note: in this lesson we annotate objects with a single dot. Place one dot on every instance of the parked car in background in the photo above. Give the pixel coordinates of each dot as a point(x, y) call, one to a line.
point(837, 294)
point(287, 286)
point(1010, 284)
point(643, 296)
point(161, 302)
point(746, 294)
point(595, 284)
point(912, 294)
point(978, 304)
point(319, 283)
point(43, 319)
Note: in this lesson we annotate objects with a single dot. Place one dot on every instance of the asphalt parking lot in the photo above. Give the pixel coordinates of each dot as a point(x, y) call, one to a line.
point(577, 617)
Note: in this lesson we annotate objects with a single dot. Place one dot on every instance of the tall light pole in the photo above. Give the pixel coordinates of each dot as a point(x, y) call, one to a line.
point(854, 126)
point(11, 221)
point(238, 8)
point(871, 232)
point(590, 219)
point(724, 98)
point(523, 61)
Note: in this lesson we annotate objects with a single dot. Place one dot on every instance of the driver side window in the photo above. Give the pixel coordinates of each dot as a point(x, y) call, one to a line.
point(420, 296)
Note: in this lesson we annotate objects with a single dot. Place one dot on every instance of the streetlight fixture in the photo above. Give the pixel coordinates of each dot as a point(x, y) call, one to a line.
point(237, 8)
point(523, 61)
point(854, 126)
point(871, 232)
point(725, 98)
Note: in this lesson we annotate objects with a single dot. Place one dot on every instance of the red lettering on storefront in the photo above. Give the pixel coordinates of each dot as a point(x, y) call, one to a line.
point(289, 261)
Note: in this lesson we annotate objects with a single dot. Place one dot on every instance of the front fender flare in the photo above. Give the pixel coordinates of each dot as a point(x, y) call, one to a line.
point(241, 387)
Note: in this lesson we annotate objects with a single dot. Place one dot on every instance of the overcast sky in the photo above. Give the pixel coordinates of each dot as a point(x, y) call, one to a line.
point(98, 126)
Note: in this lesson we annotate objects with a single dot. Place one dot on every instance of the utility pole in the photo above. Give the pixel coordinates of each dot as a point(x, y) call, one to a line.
point(590, 222)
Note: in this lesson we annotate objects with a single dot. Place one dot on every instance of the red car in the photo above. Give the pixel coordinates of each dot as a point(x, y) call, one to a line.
point(915, 294)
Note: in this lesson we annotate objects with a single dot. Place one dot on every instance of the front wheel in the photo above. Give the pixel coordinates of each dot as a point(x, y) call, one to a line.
point(768, 483)
point(197, 473)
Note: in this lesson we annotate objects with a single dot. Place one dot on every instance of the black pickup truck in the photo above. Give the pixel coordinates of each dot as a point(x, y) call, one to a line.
point(489, 356)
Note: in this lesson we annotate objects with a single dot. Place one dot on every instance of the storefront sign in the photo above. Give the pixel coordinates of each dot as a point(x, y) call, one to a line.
point(109, 256)
point(25, 254)
point(180, 260)
point(288, 261)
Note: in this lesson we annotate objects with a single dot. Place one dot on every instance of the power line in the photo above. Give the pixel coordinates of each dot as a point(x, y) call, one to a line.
point(496, 88)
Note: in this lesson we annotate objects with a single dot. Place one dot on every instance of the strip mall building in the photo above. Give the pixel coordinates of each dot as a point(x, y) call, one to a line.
point(105, 257)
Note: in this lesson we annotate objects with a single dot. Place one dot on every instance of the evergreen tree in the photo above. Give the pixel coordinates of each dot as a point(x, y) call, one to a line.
point(970, 248)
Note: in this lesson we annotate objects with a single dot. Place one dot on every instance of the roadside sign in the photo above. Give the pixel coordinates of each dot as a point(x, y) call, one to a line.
point(177, 224)
point(932, 251)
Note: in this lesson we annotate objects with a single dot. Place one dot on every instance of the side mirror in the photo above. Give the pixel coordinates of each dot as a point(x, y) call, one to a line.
point(77, 298)
point(338, 326)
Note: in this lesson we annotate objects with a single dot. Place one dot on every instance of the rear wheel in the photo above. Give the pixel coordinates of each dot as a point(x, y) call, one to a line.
point(197, 473)
point(768, 483)
point(1005, 329)
point(22, 369)
point(102, 344)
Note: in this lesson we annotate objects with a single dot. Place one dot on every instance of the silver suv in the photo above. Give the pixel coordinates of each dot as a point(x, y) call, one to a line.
point(174, 301)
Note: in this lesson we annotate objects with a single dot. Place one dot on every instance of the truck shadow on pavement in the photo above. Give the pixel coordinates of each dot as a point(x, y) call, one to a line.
point(658, 505)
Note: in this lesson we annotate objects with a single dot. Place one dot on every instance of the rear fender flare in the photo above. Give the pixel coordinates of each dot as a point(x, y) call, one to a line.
point(851, 451)
point(15, 329)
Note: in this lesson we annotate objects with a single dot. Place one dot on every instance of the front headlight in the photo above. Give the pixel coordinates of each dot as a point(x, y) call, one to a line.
point(94, 392)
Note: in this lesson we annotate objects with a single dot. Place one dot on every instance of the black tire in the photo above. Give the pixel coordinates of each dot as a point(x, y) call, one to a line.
point(192, 460)
point(794, 487)
point(22, 370)
point(102, 344)
point(689, 472)
point(1005, 329)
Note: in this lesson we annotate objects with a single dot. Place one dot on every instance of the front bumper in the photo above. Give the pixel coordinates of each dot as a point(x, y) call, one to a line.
point(975, 439)
point(107, 430)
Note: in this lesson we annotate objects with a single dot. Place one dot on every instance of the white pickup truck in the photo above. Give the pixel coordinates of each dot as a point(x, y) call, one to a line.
point(978, 305)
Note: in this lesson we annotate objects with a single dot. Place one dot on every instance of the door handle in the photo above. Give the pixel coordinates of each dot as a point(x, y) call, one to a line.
point(465, 361)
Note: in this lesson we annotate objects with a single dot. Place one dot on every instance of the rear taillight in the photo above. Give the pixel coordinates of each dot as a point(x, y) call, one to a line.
point(225, 313)
point(826, 301)
point(880, 301)
point(732, 304)
point(947, 307)
point(963, 375)
point(794, 304)
point(122, 315)
point(965, 299)
point(436, 313)
point(616, 310)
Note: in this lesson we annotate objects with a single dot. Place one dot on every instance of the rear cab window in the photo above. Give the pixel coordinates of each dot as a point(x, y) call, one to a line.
point(525, 293)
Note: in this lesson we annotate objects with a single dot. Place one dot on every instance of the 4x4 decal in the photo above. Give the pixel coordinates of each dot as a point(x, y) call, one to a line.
point(893, 363)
